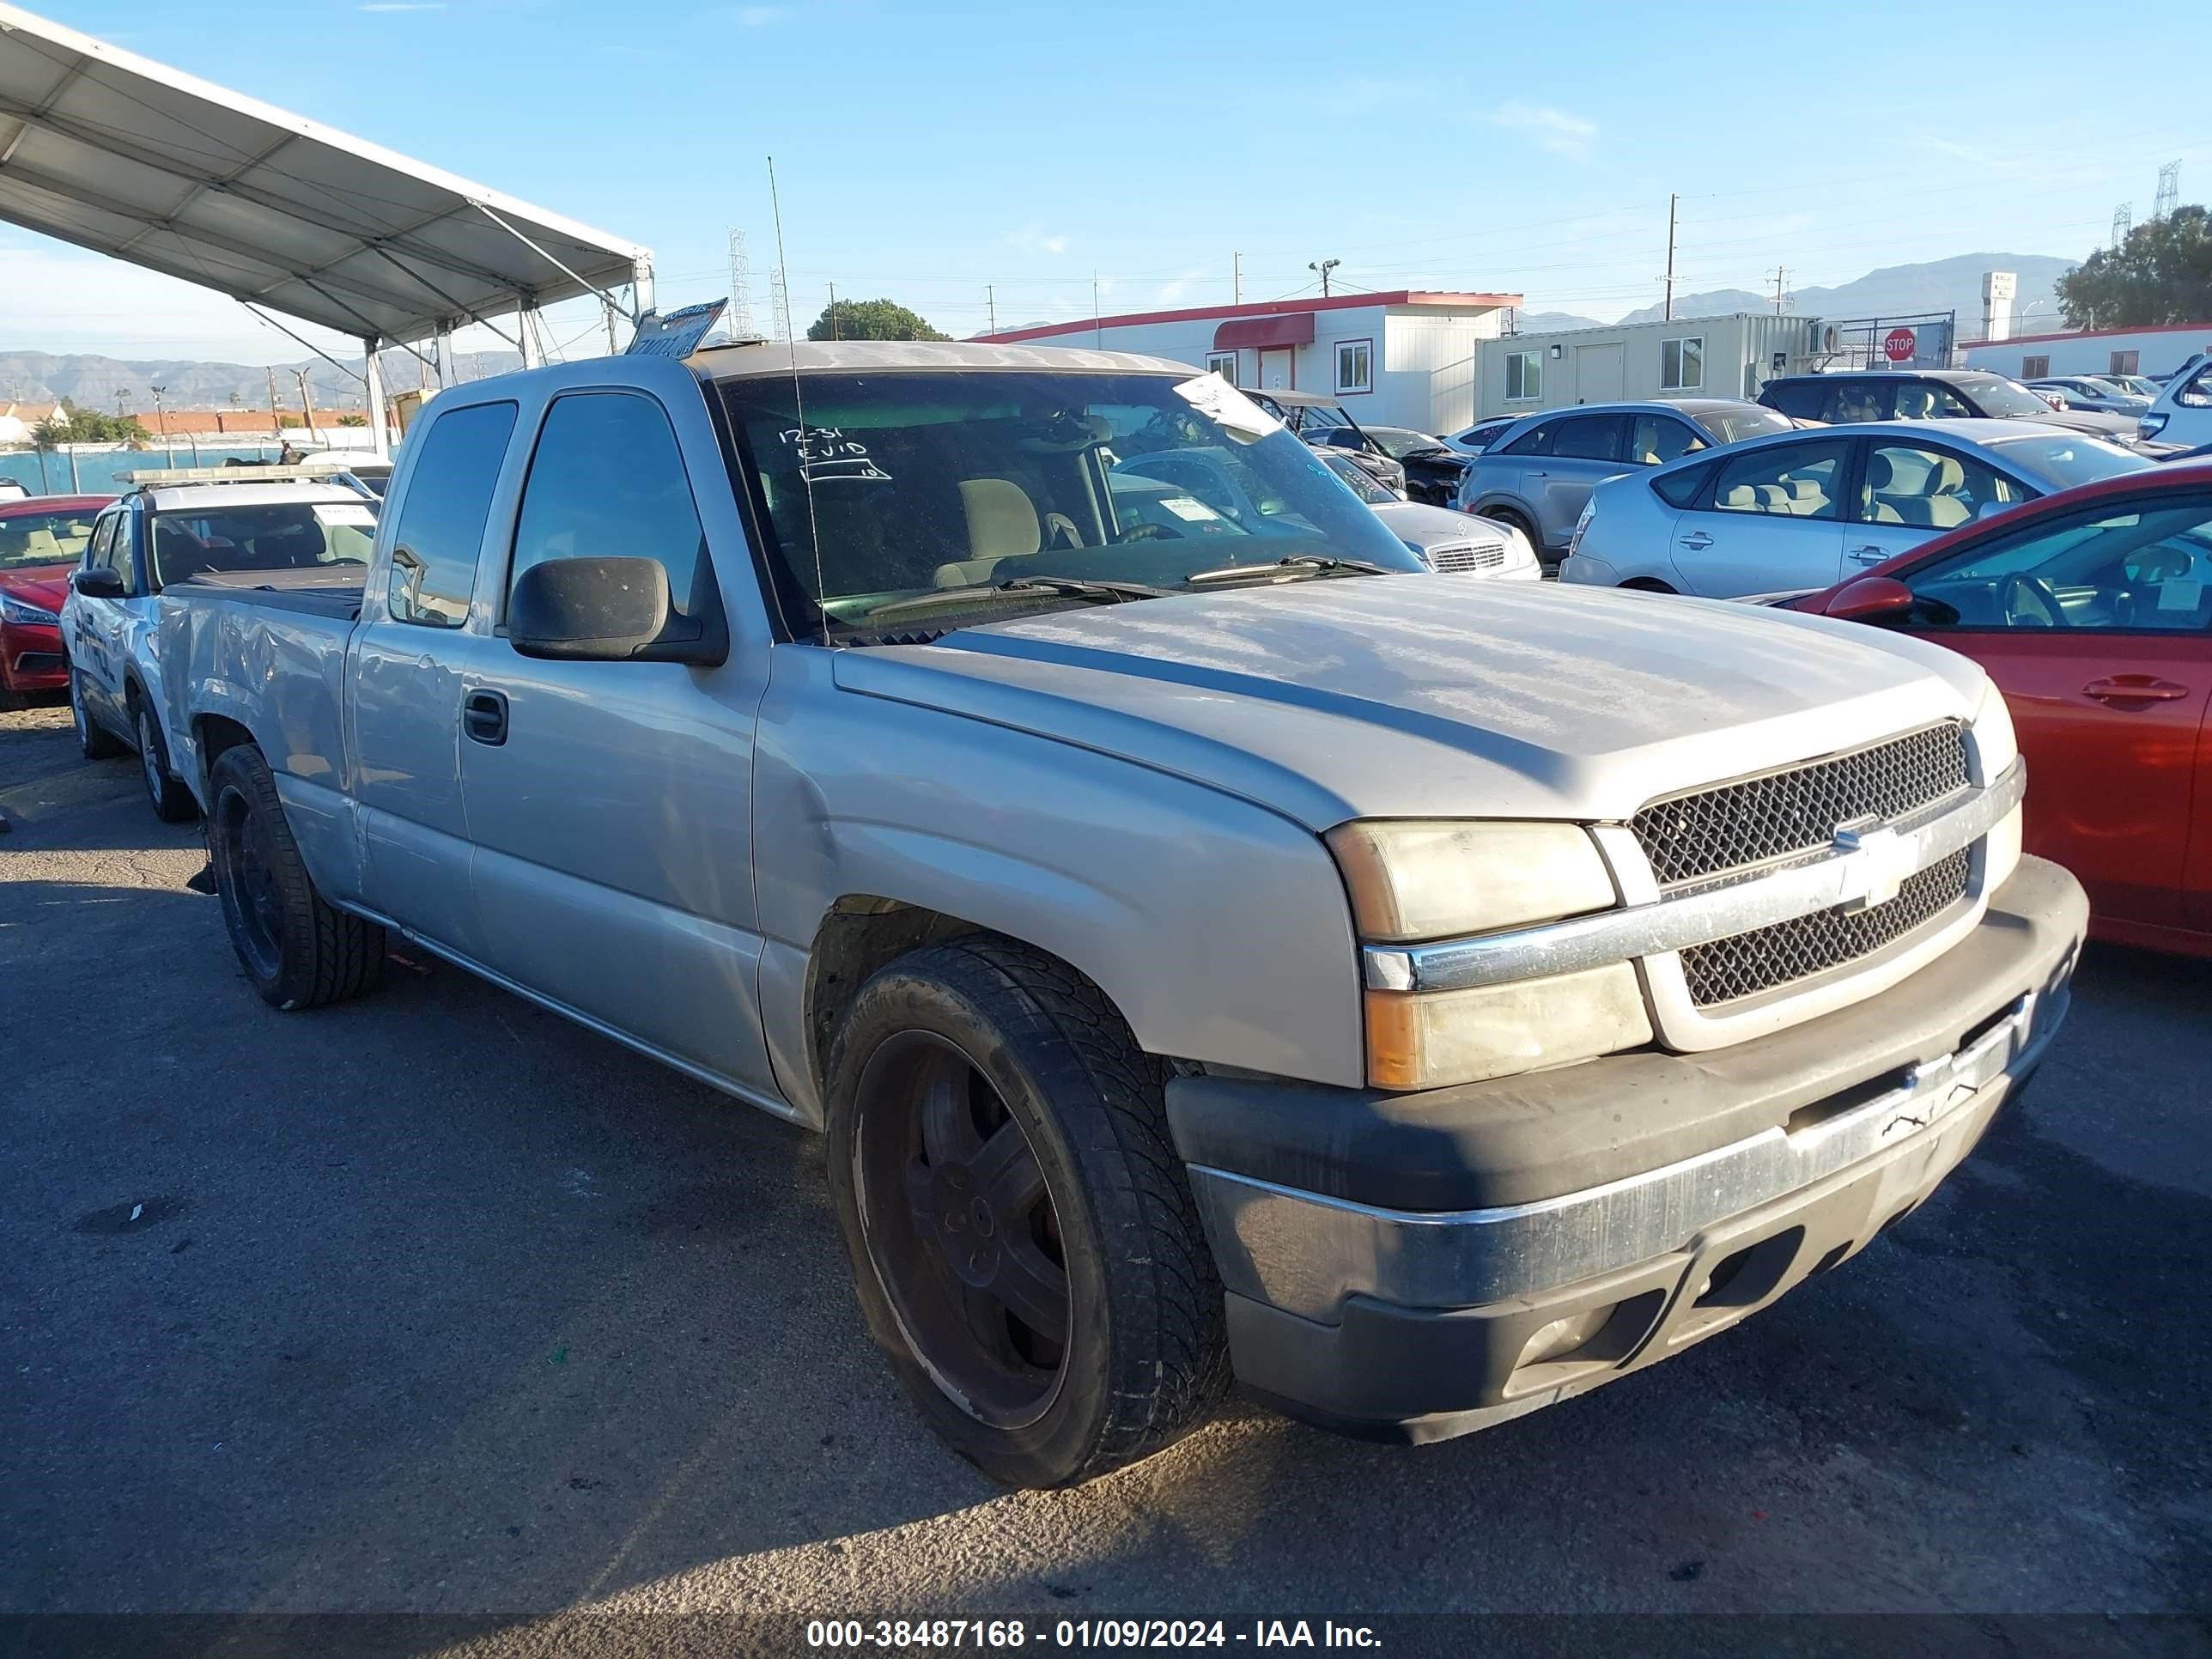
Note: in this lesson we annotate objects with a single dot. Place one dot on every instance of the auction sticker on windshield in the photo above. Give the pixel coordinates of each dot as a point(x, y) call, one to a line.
point(361, 517)
point(1210, 394)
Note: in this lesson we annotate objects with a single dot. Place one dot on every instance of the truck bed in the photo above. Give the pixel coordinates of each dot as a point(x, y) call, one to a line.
point(324, 591)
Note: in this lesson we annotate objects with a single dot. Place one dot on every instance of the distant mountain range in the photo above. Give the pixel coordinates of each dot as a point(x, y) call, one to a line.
point(1940, 285)
point(91, 382)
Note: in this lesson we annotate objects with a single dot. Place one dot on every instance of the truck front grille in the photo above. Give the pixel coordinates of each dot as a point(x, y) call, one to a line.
point(1467, 555)
point(1730, 969)
point(1739, 825)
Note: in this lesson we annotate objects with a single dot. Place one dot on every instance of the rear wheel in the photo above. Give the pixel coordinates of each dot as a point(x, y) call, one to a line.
point(298, 951)
point(1512, 520)
point(172, 802)
point(1023, 1238)
point(93, 741)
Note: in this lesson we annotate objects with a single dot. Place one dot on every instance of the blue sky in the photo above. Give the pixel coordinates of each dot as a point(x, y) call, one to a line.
point(926, 151)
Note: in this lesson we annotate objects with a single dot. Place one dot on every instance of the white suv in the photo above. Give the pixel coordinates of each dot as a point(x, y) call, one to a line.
point(2183, 413)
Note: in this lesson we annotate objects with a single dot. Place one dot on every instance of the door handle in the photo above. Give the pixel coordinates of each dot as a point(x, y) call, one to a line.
point(1535, 475)
point(1697, 540)
point(2135, 687)
point(483, 716)
point(1869, 555)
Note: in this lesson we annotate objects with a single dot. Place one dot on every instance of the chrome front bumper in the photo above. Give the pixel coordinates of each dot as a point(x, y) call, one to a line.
point(1305, 1254)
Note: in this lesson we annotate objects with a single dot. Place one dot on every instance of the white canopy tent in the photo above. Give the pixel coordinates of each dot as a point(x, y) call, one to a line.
point(128, 157)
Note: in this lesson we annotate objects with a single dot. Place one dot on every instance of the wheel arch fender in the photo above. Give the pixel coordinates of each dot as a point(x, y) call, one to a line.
point(1218, 928)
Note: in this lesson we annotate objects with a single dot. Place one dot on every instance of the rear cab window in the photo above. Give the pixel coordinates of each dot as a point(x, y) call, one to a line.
point(439, 535)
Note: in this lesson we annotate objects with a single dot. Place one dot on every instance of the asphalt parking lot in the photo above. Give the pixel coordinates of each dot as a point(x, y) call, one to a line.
point(434, 1303)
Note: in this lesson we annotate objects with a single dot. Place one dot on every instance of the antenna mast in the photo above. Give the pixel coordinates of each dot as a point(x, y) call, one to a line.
point(2120, 224)
point(2169, 190)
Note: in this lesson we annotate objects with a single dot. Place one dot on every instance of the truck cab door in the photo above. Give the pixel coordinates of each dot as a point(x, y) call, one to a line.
point(610, 802)
point(404, 673)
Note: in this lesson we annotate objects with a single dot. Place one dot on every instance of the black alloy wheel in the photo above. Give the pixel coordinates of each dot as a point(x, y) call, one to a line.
point(963, 1226)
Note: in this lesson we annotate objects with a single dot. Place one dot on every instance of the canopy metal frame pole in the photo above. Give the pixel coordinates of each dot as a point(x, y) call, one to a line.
point(372, 382)
point(612, 303)
point(304, 341)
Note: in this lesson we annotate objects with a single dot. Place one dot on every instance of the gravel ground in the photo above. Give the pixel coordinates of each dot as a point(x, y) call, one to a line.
point(438, 1304)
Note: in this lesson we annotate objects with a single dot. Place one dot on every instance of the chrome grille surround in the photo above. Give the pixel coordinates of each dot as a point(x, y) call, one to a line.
point(1709, 832)
point(1455, 557)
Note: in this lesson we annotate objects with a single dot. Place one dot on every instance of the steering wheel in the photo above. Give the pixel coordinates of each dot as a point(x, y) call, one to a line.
point(2028, 602)
point(1150, 533)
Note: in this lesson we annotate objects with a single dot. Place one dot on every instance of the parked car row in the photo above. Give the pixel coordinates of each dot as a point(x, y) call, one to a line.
point(1213, 942)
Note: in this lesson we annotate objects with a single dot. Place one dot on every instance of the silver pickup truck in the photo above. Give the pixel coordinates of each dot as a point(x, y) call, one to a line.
point(1211, 945)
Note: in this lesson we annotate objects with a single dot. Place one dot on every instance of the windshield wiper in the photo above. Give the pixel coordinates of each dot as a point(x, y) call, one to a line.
point(1296, 562)
point(1073, 587)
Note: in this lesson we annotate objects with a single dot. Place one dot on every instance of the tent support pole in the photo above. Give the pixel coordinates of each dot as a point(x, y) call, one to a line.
point(373, 382)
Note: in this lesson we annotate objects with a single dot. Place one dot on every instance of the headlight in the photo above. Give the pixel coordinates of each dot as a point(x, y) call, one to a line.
point(1518, 550)
point(22, 610)
point(1410, 879)
point(1994, 742)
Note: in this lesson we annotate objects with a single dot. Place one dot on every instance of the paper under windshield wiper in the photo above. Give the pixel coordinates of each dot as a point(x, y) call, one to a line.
point(1073, 587)
point(1297, 562)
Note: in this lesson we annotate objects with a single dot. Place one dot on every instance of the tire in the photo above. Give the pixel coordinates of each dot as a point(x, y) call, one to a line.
point(1506, 516)
point(94, 740)
point(172, 802)
point(297, 950)
point(986, 1033)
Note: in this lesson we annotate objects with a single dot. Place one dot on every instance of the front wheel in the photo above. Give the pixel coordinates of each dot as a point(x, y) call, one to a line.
point(93, 741)
point(298, 951)
point(172, 802)
point(1023, 1238)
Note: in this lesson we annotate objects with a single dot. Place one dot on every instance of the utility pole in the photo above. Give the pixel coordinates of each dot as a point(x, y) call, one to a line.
point(1236, 278)
point(1324, 266)
point(2169, 190)
point(1779, 275)
point(1096, 336)
point(833, 310)
point(120, 411)
point(306, 407)
point(163, 421)
point(1668, 313)
point(991, 302)
point(276, 424)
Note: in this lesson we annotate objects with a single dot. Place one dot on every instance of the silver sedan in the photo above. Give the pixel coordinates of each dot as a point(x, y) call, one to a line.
point(1803, 509)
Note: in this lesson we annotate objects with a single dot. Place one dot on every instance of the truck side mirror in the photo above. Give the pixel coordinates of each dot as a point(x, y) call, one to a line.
point(100, 581)
point(609, 610)
point(1870, 598)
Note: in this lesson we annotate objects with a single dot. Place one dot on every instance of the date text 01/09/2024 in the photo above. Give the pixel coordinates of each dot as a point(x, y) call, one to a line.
point(1005, 1633)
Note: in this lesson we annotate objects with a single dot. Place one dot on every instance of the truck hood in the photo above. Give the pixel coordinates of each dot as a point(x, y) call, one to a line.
point(1431, 696)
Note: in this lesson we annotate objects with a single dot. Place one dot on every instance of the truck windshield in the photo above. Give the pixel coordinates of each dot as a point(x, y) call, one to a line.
point(907, 485)
point(260, 536)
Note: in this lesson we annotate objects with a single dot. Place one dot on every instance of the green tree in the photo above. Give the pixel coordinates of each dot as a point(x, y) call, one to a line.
point(89, 426)
point(870, 319)
point(2162, 273)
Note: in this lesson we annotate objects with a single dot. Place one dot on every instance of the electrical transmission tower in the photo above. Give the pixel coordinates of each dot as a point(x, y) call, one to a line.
point(2121, 223)
point(2169, 190)
point(741, 287)
point(778, 307)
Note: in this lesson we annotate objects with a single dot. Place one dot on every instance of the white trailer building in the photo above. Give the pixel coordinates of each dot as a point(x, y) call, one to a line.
point(1701, 356)
point(2158, 350)
point(1407, 358)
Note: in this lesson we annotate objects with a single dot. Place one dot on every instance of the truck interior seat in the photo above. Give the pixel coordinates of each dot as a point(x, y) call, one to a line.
point(1002, 524)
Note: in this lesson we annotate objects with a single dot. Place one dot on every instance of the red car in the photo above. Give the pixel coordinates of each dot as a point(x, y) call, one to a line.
point(2092, 609)
point(40, 539)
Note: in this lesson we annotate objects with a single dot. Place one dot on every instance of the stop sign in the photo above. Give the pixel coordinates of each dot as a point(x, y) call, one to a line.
point(1900, 345)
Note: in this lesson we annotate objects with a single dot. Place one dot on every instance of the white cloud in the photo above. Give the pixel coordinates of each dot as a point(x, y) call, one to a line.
point(760, 17)
point(1546, 126)
point(1033, 240)
point(1176, 290)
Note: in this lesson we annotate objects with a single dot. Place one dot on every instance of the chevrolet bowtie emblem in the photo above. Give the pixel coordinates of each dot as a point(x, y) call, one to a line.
point(1877, 861)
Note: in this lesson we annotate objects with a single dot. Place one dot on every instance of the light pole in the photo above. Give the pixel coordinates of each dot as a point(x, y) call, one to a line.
point(163, 421)
point(1324, 266)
